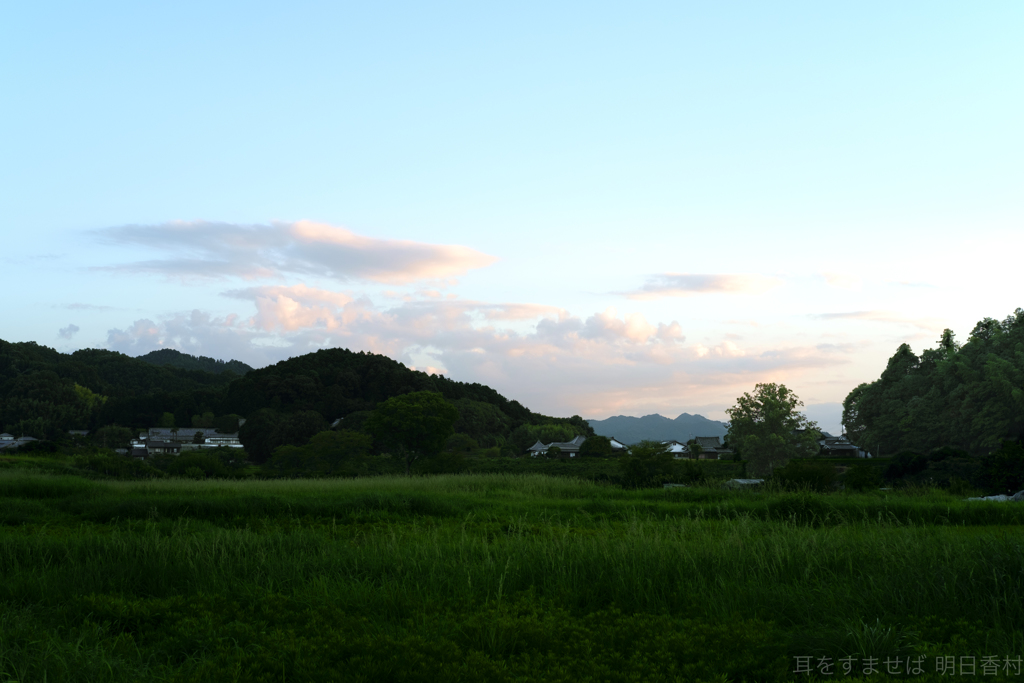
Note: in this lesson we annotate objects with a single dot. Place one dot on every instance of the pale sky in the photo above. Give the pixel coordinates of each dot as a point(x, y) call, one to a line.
point(595, 208)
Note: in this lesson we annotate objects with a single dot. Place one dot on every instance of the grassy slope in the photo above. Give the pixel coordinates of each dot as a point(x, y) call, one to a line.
point(489, 577)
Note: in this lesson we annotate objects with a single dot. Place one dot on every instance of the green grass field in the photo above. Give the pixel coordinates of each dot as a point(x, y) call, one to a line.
point(495, 577)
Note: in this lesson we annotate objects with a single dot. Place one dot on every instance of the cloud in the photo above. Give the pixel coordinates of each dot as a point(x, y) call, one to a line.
point(843, 280)
point(887, 317)
point(680, 284)
point(88, 307)
point(68, 332)
point(559, 363)
point(202, 249)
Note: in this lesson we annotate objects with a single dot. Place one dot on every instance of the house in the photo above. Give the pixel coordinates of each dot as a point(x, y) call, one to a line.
point(570, 449)
point(711, 449)
point(8, 442)
point(78, 432)
point(222, 440)
point(168, 441)
point(678, 450)
point(840, 447)
point(159, 447)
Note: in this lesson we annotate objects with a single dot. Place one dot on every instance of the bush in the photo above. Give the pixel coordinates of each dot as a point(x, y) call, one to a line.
point(1003, 471)
point(862, 477)
point(116, 466)
point(206, 463)
point(806, 474)
point(460, 443)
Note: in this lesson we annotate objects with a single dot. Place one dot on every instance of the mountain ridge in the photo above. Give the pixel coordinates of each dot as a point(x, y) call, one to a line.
point(630, 430)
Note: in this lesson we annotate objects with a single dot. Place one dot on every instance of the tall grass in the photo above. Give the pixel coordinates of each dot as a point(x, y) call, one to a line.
point(150, 573)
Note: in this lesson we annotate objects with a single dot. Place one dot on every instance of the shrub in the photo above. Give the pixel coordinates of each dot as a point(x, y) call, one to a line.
point(806, 474)
point(116, 466)
point(208, 464)
point(862, 477)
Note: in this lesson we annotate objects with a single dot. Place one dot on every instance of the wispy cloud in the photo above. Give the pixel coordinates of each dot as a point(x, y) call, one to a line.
point(202, 249)
point(68, 332)
point(843, 280)
point(887, 317)
point(684, 284)
point(85, 307)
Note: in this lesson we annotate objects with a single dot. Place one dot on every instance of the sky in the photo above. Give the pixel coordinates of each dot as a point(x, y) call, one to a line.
point(595, 208)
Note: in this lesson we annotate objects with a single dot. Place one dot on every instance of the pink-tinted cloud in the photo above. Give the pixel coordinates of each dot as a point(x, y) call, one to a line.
point(202, 249)
point(686, 284)
point(887, 317)
point(563, 364)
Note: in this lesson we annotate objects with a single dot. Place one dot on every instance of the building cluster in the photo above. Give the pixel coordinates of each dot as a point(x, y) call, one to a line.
point(698, 448)
point(12, 442)
point(173, 441)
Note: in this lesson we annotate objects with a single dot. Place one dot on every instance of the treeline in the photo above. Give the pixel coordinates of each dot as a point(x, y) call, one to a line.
point(44, 393)
point(968, 396)
point(177, 359)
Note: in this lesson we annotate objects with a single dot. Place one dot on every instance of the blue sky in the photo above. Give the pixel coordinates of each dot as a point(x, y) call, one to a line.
point(595, 208)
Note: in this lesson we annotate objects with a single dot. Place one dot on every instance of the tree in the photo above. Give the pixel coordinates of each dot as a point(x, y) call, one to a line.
point(326, 454)
point(415, 425)
point(113, 436)
point(462, 444)
point(695, 448)
point(769, 430)
point(596, 447)
point(650, 463)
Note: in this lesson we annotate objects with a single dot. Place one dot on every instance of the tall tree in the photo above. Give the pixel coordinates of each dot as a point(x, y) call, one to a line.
point(415, 425)
point(970, 396)
point(768, 429)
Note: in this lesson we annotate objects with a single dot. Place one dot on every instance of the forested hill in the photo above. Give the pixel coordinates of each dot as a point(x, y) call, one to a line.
point(333, 383)
point(177, 359)
point(44, 393)
point(970, 396)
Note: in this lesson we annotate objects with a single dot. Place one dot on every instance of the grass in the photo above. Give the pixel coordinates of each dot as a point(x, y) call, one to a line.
point(490, 577)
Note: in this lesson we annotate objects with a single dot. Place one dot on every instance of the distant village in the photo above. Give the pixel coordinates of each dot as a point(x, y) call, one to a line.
point(699, 448)
point(174, 441)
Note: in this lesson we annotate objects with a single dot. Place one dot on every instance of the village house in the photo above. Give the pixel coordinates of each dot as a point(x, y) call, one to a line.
point(570, 449)
point(171, 441)
point(840, 447)
point(8, 441)
point(711, 449)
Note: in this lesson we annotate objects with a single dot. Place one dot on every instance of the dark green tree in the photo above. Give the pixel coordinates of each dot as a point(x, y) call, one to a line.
point(649, 463)
point(326, 454)
point(259, 434)
point(596, 447)
point(769, 429)
point(970, 396)
point(413, 425)
point(113, 436)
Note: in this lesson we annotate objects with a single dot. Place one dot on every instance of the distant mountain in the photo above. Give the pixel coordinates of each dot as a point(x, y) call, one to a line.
point(177, 359)
point(630, 430)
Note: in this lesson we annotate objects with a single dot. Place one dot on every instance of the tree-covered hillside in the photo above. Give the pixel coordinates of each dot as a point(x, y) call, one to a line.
point(44, 393)
point(177, 359)
point(970, 396)
point(335, 383)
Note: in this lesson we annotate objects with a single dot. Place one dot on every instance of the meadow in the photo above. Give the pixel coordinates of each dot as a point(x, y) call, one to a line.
point(498, 577)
